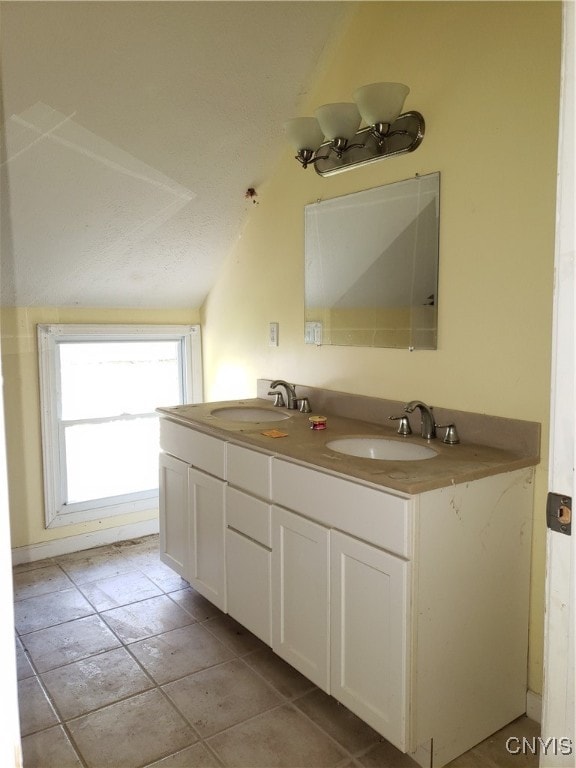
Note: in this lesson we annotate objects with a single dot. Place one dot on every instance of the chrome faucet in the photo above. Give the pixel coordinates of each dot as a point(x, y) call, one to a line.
point(427, 422)
point(291, 396)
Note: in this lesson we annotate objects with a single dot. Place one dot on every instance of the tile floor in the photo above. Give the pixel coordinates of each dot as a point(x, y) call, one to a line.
point(122, 665)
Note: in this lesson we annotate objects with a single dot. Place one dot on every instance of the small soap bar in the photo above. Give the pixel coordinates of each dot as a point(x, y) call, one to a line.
point(274, 433)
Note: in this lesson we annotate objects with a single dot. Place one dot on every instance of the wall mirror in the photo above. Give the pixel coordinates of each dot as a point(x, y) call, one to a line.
point(371, 266)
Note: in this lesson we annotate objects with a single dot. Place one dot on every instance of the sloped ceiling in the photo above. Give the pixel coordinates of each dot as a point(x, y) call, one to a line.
point(130, 134)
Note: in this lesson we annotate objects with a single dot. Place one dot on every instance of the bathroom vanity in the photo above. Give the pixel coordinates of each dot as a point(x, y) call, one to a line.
point(399, 587)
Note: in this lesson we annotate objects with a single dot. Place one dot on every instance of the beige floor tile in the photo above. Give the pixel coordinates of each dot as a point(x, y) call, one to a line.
point(65, 643)
point(385, 755)
point(472, 759)
point(94, 564)
point(36, 711)
point(222, 696)
point(92, 683)
point(163, 577)
point(180, 652)
point(39, 581)
point(281, 738)
point(196, 756)
point(117, 591)
point(146, 618)
point(234, 635)
point(195, 604)
point(49, 749)
point(348, 730)
point(131, 733)
point(34, 565)
point(287, 681)
point(50, 609)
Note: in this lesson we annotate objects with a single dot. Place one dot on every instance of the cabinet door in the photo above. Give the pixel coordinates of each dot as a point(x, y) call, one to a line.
point(248, 584)
point(300, 595)
point(206, 571)
point(369, 605)
point(173, 504)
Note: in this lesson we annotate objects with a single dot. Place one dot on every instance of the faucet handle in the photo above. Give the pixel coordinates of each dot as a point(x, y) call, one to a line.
point(404, 427)
point(451, 436)
point(304, 405)
point(278, 399)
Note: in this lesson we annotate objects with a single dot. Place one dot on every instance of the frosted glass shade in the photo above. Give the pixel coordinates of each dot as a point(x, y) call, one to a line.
point(339, 121)
point(304, 133)
point(381, 102)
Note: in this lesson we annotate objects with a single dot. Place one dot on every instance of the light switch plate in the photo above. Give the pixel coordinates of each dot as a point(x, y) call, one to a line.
point(313, 333)
point(273, 335)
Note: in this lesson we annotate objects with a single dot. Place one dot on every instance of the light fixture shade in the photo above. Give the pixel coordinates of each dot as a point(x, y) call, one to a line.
point(304, 133)
point(338, 121)
point(381, 102)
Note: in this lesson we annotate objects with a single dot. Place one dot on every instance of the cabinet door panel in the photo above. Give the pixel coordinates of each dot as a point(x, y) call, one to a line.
point(173, 506)
point(206, 536)
point(300, 629)
point(248, 584)
point(369, 589)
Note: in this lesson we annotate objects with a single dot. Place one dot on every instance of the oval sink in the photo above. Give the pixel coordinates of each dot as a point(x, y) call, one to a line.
point(380, 448)
point(249, 413)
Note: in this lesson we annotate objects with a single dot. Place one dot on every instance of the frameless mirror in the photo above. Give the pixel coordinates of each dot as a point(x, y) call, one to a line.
point(371, 266)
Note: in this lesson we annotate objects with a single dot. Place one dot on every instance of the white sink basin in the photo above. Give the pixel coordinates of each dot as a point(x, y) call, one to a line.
point(249, 413)
point(380, 448)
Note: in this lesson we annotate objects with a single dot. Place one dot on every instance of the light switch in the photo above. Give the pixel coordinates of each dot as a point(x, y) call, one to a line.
point(273, 335)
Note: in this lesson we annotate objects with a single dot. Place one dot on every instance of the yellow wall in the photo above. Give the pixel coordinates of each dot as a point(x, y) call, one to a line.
point(22, 405)
point(486, 78)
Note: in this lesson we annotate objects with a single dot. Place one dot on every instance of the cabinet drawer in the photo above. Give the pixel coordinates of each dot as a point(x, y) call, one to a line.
point(249, 470)
point(375, 516)
point(248, 515)
point(199, 450)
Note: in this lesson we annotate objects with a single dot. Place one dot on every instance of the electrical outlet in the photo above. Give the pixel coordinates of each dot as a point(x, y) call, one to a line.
point(273, 335)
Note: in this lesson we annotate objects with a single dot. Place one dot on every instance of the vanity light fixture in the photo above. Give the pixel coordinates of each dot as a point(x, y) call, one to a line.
point(333, 140)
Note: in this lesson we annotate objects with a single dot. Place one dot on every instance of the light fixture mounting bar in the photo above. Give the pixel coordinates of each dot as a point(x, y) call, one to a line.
point(404, 135)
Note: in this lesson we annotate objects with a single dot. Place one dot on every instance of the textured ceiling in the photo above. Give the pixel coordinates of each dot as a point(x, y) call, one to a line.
point(131, 131)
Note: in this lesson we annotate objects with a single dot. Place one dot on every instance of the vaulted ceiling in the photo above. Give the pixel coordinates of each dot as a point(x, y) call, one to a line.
point(130, 134)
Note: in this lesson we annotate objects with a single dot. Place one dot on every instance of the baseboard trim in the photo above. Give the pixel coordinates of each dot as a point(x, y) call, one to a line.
point(33, 552)
point(534, 706)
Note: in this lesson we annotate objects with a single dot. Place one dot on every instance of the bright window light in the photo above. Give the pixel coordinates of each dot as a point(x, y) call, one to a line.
point(100, 387)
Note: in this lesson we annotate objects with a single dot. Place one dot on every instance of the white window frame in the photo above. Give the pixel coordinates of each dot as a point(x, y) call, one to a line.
point(49, 337)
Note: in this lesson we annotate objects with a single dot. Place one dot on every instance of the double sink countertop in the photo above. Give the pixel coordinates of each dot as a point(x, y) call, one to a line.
point(452, 465)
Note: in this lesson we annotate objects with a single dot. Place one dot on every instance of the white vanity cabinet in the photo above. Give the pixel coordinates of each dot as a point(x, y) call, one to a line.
point(248, 540)
point(409, 609)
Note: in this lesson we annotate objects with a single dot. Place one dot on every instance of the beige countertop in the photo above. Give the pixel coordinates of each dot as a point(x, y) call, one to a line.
point(453, 464)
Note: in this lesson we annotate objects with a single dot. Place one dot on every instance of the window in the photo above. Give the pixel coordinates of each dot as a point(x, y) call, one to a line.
point(99, 388)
